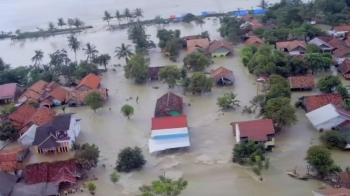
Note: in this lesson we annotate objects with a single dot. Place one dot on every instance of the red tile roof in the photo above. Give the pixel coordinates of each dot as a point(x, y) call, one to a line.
point(22, 114)
point(49, 171)
point(291, 45)
point(35, 91)
point(170, 122)
point(8, 91)
point(222, 72)
point(344, 67)
point(58, 93)
point(335, 43)
point(325, 38)
point(215, 44)
point(334, 192)
point(342, 28)
point(40, 117)
point(79, 96)
point(166, 103)
point(193, 44)
point(314, 102)
point(91, 80)
point(341, 51)
point(301, 82)
point(256, 130)
point(254, 40)
point(9, 159)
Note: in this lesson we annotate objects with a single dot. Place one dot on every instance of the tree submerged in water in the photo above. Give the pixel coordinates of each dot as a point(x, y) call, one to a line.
point(94, 100)
point(228, 101)
point(130, 159)
point(164, 187)
point(86, 155)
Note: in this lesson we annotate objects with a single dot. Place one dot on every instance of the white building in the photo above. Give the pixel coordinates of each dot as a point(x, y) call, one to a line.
point(169, 132)
point(327, 117)
point(27, 137)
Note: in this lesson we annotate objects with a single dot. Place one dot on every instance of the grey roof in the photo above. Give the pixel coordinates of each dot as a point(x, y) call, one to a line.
point(45, 136)
point(7, 182)
point(318, 42)
point(42, 189)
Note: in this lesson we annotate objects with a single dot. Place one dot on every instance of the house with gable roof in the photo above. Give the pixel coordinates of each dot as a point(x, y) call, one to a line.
point(9, 92)
point(168, 105)
point(220, 48)
point(223, 76)
point(89, 82)
point(12, 160)
point(313, 102)
point(194, 45)
point(295, 47)
point(344, 68)
point(77, 97)
point(254, 40)
point(38, 91)
point(41, 116)
point(301, 82)
point(21, 114)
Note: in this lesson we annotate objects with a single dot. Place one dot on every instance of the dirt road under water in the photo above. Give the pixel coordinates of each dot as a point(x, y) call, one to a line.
point(206, 164)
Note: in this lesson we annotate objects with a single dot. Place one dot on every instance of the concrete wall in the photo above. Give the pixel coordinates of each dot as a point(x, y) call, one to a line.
point(327, 126)
point(238, 134)
point(221, 54)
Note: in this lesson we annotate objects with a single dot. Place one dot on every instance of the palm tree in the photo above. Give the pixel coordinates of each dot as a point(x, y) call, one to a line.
point(74, 45)
point(138, 13)
point(118, 16)
point(127, 14)
point(123, 51)
point(103, 60)
point(61, 22)
point(200, 21)
point(37, 57)
point(70, 22)
point(51, 26)
point(107, 17)
point(90, 51)
point(263, 4)
point(18, 32)
point(78, 23)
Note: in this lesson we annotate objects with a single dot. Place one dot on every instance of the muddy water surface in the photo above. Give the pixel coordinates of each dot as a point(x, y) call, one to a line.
point(206, 164)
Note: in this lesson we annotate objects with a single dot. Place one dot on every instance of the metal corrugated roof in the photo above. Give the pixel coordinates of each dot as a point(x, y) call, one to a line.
point(159, 145)
point(322, 114)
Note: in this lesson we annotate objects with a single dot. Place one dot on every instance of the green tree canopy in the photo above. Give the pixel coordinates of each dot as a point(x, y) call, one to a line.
point(200, 83)
point(137, 68)
point(130, 159)
point(164, 187)
point(343, 91)
point(280, 111)
point(247, 150)
point(102, 60)
point(318, 62)
point(170, 75)
point(320, 160)
point(228, 101)
point(114, 177)
point(87, 156)
point(196, 61)
point(327, 83)
point(94, 100)
point(335, 139)
point(9, 109)
point(91, 187)
point(312, 48)
point(8, 131)
point(127, 110)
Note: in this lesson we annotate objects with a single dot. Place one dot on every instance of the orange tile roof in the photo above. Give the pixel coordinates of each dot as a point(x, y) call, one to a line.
point(195, 43)
point(256, 130)
point(335, 43)
point(80, 95)
point(91, 80)
point(59, 93)
point(291, 45)
point(9, 159)
point(342, 28)
point(40, 117)
point(314, 102)
point(344, 67)
point(341, 51)
point(23, 112)
point(53, 85)
point(334, 192)
point(222, 72)
point(254, 40)
point(215, 44)
point(36, 90)
point(301, 82)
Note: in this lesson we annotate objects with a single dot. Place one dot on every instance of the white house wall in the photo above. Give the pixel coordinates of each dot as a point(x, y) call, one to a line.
point(74, 129)
point(238, 134)
point(330, 123)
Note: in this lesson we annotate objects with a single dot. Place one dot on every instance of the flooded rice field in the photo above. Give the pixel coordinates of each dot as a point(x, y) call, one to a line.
point(207, 163)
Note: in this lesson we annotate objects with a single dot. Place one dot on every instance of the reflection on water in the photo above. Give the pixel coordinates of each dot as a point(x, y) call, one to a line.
point(206, 164)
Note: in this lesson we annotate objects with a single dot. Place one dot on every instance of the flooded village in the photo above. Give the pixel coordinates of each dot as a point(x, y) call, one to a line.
point(182, 131)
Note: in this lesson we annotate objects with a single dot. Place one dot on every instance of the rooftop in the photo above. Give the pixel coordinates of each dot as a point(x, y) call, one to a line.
point(7, 91)
point(222, 72)
point(154, 71)
point(246, 17)
point(58, 93)
point(314, 102)
point(254, 40)
point(169, 122)
point(91, 80)
point(341, 51)
point(10, 159)
point(22, 114)
point(301, 82)
point(168, 102)
point(256, 130)
point(342, 28)
point(335, 43)
point(344, 67)
point(291, 45)
point(40, 117)
point(197, 43)
point(325, 113)
point(215, 44)
point(35, 91)
point(325, 38)
point(80, 95)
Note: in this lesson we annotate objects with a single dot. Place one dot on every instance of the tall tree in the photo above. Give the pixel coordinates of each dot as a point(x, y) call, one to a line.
point(200, 83)
point(87, 155)
point(130, 159)
point(164, 186)
point(8, 131)
point(137, 69)
point(102, 60)
point(90, 51)
point(170, 75)
point(199, 20)
point(38, 57)
point(51, 26)
point(107, 17)
point(280, 111)
point(127, 14)
point(196, 61)
point(78, 23)
point(119, 16)
point(70, 22)
point(263, 4)
point(74, 44)
point(4, 66)
point(123, 51)
point(61, 22)
point(138, 13)
point(94, 100)
point(328, 83)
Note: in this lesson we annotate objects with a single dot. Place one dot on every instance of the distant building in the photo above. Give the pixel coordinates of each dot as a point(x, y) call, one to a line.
point(261, 131)
point(220, 48)
point(38, 91)
point(293, 47)
point(301, 82)
point(168, 105)
point(322, 45)
point(254, 40)
point(9, 93)
point(168, 133)
point(89, 82)
point(197, 44)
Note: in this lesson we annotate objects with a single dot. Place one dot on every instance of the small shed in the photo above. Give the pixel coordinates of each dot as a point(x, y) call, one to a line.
point(223, 76)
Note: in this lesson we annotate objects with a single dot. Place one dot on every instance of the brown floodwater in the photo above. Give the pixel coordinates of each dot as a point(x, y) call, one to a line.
point(207, 163)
